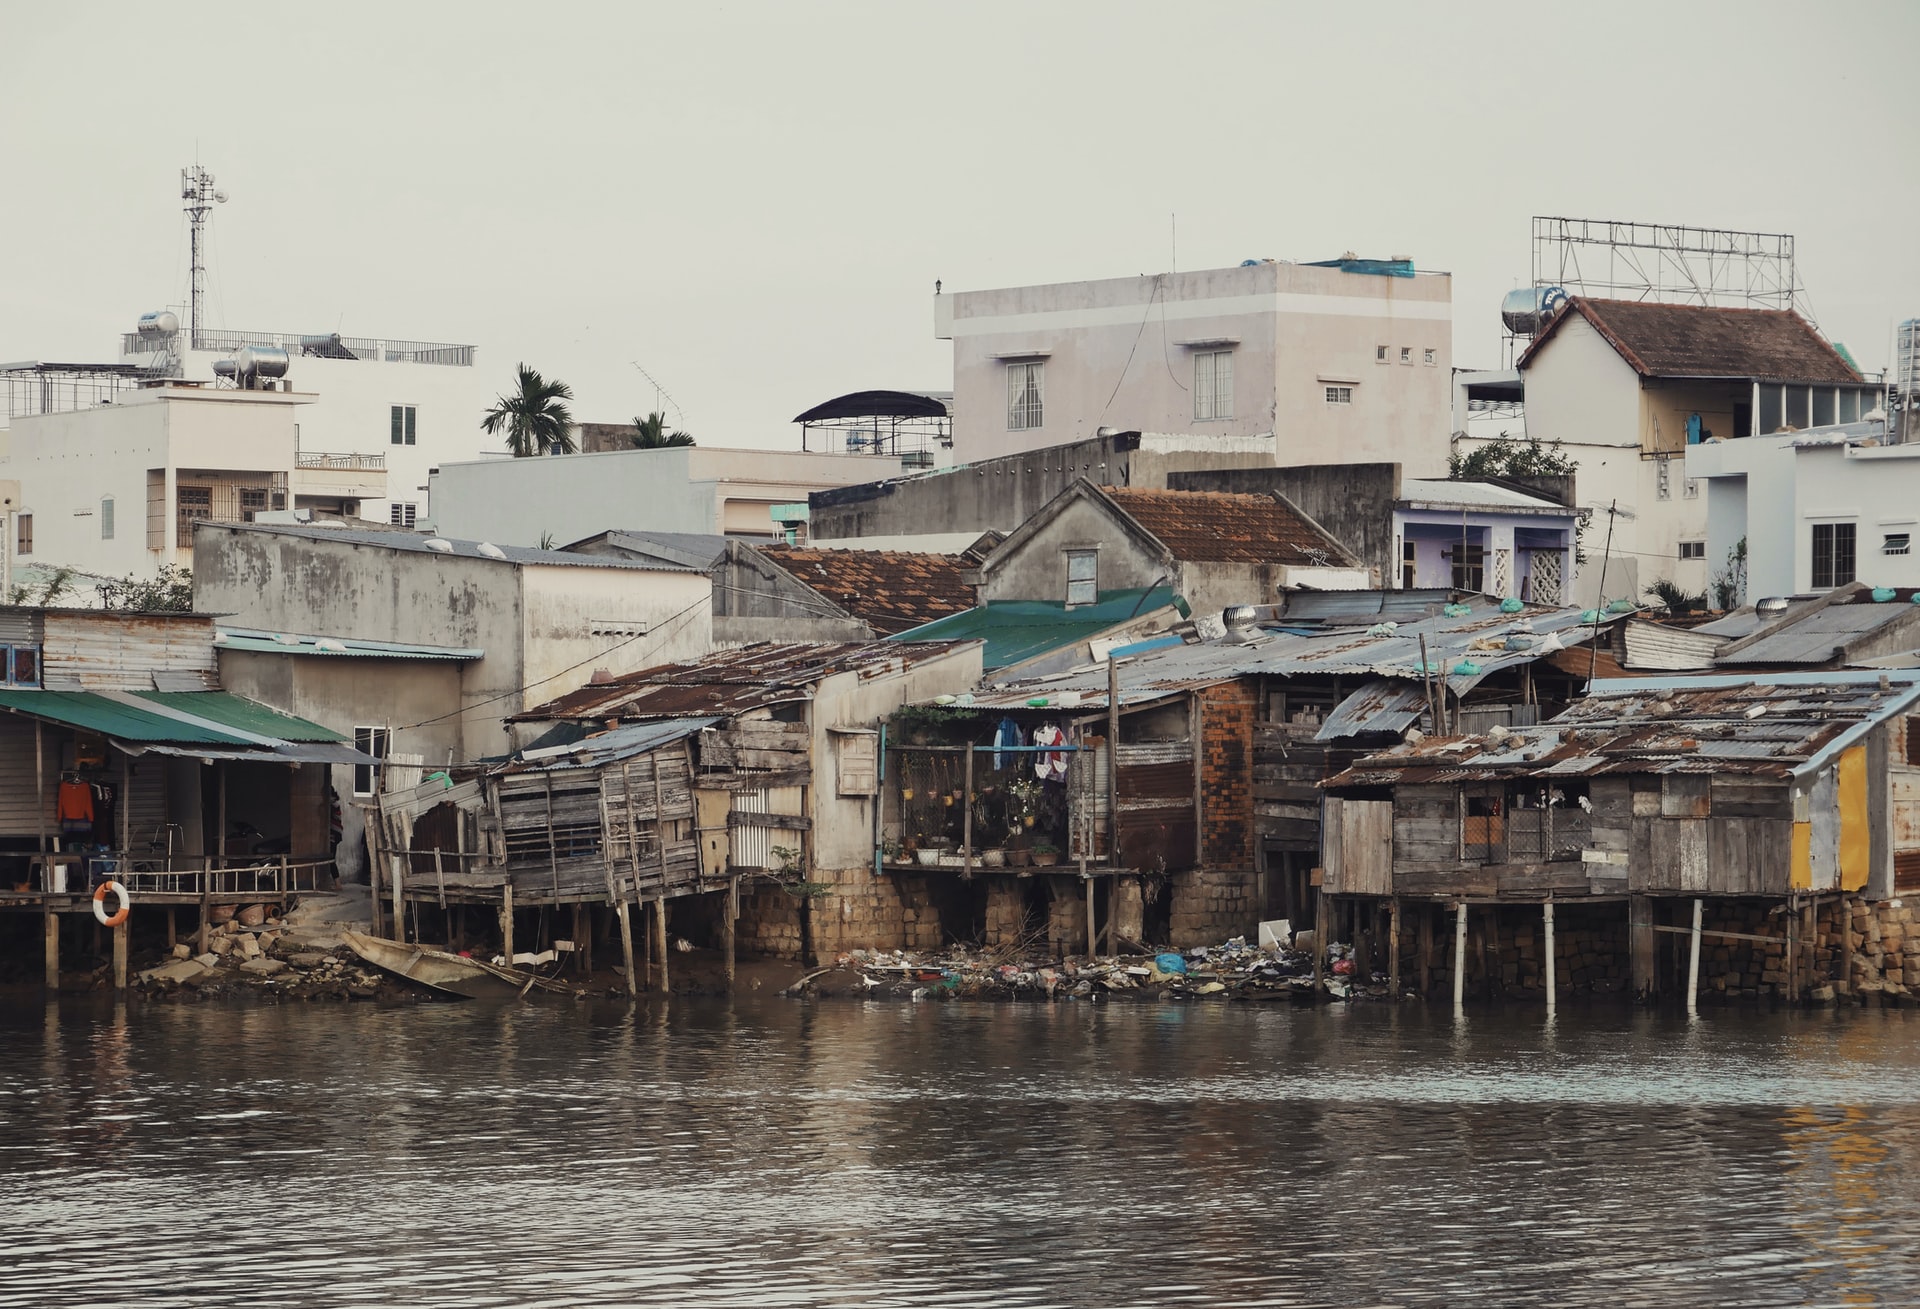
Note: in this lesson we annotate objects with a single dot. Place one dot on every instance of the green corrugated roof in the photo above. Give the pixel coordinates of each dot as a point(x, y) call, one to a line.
point(96, 713)
point(229, 710)
point(1017, 630)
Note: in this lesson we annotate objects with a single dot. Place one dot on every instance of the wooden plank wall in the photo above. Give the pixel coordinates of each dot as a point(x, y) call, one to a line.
point(1157, 819)
point(567, 830)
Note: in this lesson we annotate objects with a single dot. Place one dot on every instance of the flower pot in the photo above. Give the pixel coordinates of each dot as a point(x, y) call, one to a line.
point(1019, 858)
point(993, 858)
point(1045, 858)
point(928, 858)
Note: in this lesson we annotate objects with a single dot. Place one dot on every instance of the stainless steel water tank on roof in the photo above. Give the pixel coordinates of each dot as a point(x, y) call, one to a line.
point(260, 361)
point(1527, 309)
point(161, 322)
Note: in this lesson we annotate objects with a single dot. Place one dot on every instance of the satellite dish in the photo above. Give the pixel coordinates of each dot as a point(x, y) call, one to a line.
point(219, 197)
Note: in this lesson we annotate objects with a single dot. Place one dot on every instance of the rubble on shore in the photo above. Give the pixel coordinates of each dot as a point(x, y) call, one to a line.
point(1231, 970)
point(271, 961)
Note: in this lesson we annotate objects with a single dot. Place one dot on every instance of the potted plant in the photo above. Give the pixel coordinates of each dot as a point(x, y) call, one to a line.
point(1045, 853)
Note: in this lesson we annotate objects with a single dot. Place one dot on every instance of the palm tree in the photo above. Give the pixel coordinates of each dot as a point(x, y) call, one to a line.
point(535, 417)
point(650, 433)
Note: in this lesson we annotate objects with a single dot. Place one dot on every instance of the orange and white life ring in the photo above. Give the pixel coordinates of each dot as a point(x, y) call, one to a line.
point(119, 892)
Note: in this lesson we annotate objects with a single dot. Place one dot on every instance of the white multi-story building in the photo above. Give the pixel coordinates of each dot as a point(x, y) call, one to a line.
point(115, 490)
point(1345, 361)
point(1808, 511)
point(407, 406)
point(1630, 389)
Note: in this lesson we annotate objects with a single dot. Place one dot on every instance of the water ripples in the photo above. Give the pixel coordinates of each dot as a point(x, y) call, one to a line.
point(787, 1154)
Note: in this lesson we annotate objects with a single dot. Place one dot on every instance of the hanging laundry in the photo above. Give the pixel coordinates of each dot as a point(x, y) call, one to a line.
point(1050, 765)
point(74, 805)
point(1005, 735)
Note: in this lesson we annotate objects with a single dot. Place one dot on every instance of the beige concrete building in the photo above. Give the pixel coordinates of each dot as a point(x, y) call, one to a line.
point(1344, 361)
point(700, 489)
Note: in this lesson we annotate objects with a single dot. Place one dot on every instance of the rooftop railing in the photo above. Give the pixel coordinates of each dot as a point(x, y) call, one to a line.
point(346, 462)
point(315, 346)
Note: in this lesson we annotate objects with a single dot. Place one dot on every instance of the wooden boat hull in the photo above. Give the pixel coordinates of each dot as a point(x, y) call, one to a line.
point(454, 974)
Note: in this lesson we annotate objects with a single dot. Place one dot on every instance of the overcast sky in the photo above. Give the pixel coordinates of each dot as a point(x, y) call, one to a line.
point(753, 200)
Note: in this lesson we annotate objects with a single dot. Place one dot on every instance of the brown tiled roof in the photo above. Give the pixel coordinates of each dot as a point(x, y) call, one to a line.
point(1669, 340)
point(893, 590)
point(1219, 527)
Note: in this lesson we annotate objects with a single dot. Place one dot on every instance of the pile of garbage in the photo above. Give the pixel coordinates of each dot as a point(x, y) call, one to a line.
point(1231, 970)
point(266, 957)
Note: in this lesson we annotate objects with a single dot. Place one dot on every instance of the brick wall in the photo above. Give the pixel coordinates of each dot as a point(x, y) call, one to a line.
point(1226, 775)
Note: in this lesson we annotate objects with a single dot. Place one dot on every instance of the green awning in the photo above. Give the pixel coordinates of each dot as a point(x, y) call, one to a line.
point(228, 710)
point(215, 718)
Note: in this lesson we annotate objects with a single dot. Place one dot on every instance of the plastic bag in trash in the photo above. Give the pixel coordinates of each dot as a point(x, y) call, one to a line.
point(1170, 963)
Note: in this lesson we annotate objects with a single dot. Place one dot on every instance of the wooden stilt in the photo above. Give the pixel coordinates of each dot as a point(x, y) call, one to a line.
point(660, 941)
point(626, 945)
point(1693, 959)
point(173, 936)
point(1460, 954)
point(52, 926)
point(1640, 937)
point(206, 905)
point(582, 941)
point(120, 935)
point(1810, 940)
point(1423, 949)
point(1322, 924)
point(1393, 946)
point(729, 917)
point(506, 922)
point(397, 869)
point(1489, 928)
point(1547, 961)
point(1092, 935)
point(1793, 949)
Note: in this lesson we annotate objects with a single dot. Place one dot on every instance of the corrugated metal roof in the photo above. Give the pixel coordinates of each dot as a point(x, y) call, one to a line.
point(1669, 649)
point(259, 641)
point(1018, 630)
point(416, 543)
point(732, 682)
point(1379, 706)
point(214, 718)
point(1818, 636)
point(1477, 495)
point(228, 710)
point(1365, 606)
point(611, 746)
point(1479, 638)
point(1775, 728)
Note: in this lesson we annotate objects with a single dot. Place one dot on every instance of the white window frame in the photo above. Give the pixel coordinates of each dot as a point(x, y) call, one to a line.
point(1026, 395)
point(1432, 359)
point(403, 513)
point(1406, 355)
point(1896, 543)
point(1083, 590)
point(106, 518)
point(23, 533)
point(1380, 354)
point(1339, 395)
point(1693, 550)
point(1212, 385)
point(375, 741)
point(407, 418)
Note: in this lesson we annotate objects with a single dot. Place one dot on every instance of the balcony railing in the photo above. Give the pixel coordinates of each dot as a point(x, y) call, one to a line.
point(343, 462)
point(322, 346)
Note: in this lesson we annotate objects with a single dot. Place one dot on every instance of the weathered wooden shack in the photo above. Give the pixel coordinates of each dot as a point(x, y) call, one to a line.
point(738, 788)
point(1650, 796)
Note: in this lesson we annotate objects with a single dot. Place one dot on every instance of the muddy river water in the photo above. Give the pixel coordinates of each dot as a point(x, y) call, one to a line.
point(788, 1153)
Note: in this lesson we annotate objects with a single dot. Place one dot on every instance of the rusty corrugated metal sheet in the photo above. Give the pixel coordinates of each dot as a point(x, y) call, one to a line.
point(1750, 729)
point(734, 681)
point(112, 650)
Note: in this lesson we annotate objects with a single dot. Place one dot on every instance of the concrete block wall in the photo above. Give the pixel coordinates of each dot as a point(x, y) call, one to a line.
point(1128, 909)
point(1210, 905)
point(1006, 911)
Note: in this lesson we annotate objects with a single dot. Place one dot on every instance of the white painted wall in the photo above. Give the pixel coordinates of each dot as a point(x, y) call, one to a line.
point(353, 409)
point(1773, 489)
point(1582, 394)
point(1119, 353)
point(684, 489)
point(67, 463)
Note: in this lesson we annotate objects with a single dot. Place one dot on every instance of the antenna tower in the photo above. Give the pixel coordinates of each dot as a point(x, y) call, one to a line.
point(198, 190)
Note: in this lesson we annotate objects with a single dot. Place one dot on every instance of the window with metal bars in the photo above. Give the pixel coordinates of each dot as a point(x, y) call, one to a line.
point(1833, 555)
point(1024, 402)
point(1213, 384)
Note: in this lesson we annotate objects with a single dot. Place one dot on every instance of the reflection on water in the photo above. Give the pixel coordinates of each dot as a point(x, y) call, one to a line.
point(788, 1154)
